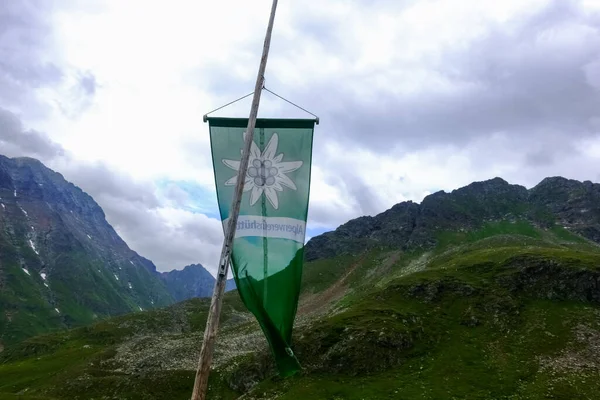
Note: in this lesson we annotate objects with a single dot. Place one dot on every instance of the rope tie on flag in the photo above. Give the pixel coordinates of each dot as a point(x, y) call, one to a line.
point(205, 117)
point(295, 105)
point(228, 104)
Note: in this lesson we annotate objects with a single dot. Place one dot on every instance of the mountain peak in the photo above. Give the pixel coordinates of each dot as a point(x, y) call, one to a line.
point(58, 252)
point(191, 281)
point(558, 182)
point(27, 160)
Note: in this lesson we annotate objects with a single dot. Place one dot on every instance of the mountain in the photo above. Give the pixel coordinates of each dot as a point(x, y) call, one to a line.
point(230, 285)
point(408, 225)
point(491, 291)
point(61, 263)
point(192, 281)
point(574, 204)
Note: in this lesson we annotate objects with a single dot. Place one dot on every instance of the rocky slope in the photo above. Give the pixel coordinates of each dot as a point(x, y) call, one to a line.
point(408, 225)
point(61, 263)
point(192, 281)
point(573, 204)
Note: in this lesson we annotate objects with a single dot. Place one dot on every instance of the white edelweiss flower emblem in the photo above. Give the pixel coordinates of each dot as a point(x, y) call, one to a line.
point(266, 172)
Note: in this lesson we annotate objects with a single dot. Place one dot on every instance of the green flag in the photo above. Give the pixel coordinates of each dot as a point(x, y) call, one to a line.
point(268, 248)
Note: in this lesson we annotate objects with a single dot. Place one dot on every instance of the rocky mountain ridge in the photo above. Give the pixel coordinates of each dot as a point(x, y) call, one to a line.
point(192, 281)
point(408, 225)
point(61, 263)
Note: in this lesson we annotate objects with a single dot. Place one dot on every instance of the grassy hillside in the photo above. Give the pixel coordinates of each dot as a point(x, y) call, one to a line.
point(509, 311)
point(62, 264)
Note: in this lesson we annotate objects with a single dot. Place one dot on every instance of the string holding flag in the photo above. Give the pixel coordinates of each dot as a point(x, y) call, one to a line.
point(205, 117)
point(263, 188)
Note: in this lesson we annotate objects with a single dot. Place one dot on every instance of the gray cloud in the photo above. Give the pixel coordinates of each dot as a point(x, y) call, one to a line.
point(103, 182)
point(536, 73)
point(368, 203)
point(546, 149)
point(195, 240)
point(128, 205)
point(87, 82)
point(133, 209)
point(80, 96)
point(16, 141)
point(592, 73)
point(136, 213)
point(177, 195)
point(540, 157)
point(25, 33)
point(28, 61)
point(326, 215)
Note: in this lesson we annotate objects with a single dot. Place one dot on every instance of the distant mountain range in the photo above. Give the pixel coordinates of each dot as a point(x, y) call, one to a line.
point(62, 264)
point(192, 281)
point(410, 226)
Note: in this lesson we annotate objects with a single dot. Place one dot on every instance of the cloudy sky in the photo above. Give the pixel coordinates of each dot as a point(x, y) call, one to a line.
point(413, 97)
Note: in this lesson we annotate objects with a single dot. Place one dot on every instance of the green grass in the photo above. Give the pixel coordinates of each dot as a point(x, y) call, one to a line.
point(472, 325)
point(31, 306)
point(68, 364)
point(79, 284)
point(460, 361)
point(524, 228)
point(477, 321)
point(567, 236)
point(463, 335)
point(321, 274)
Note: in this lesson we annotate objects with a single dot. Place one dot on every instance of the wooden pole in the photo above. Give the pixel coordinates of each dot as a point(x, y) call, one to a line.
point(212, 323)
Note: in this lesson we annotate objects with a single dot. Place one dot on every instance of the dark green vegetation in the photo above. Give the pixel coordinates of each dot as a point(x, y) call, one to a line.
point(506, 311)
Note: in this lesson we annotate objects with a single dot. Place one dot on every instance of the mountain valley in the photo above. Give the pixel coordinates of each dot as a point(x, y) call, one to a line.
point(490, 291)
